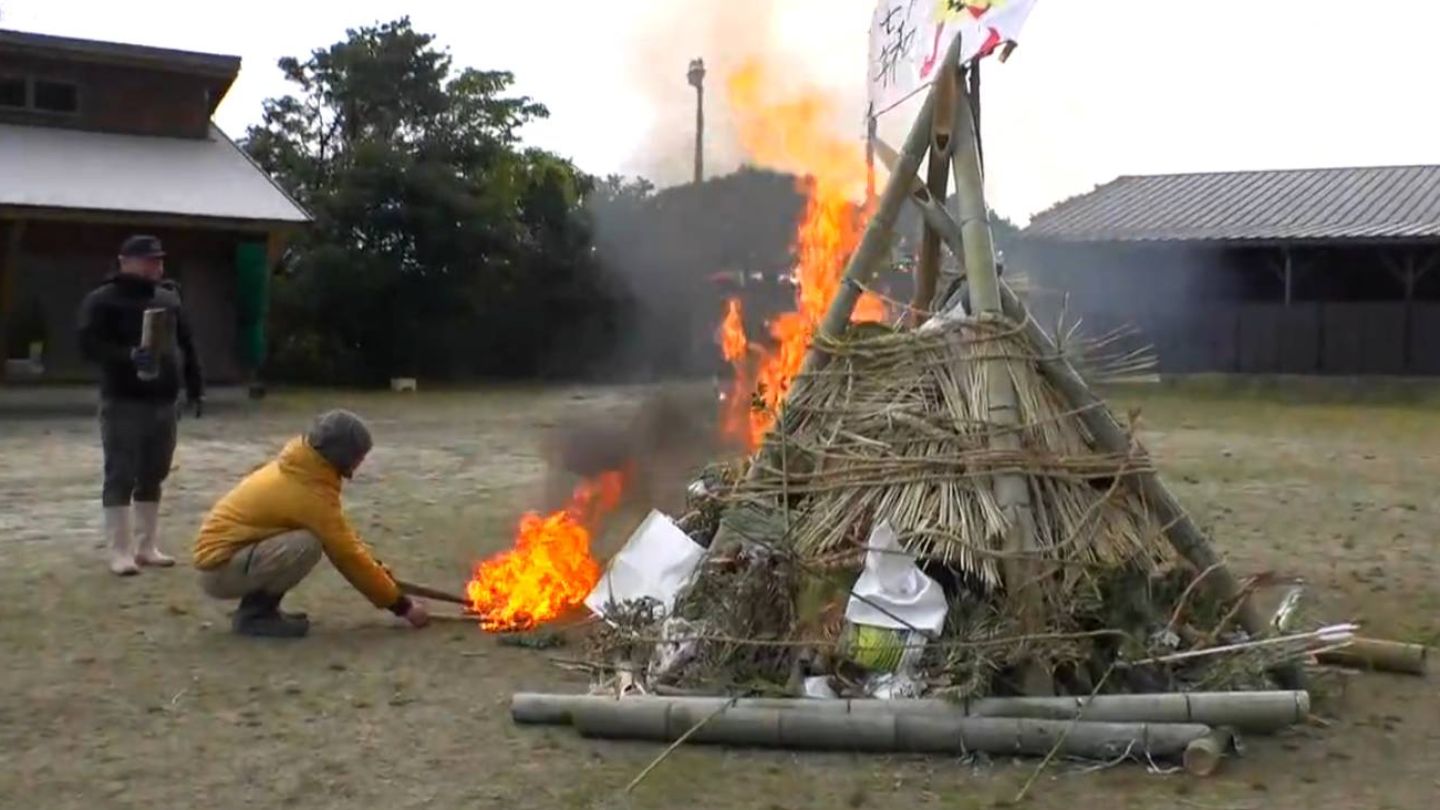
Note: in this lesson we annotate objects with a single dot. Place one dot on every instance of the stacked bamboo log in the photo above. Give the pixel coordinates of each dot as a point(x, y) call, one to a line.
point(1197, 729)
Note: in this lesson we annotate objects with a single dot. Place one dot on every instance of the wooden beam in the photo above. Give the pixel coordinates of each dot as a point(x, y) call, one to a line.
point(11, 234)
point(143, 219)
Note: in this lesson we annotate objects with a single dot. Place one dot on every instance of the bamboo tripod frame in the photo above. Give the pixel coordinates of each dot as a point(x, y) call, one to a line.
point(970, 241)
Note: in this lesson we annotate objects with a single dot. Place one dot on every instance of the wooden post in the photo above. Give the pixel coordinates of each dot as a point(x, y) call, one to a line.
point(1022, 571)
point(696, 76)
point(942, 124)
point(11, 232)
point(1289, 278)
point(871, 135)
point(1182, 532)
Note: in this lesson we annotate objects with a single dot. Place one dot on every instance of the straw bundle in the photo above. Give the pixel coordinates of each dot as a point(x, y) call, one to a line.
point(896, 427)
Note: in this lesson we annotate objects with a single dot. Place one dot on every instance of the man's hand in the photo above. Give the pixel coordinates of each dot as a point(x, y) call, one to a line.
point(418, 615)
point(146, 365)
point(197, 406)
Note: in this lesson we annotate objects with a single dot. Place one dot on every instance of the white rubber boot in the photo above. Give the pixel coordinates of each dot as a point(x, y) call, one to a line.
point(147, 526)
point(122, 543)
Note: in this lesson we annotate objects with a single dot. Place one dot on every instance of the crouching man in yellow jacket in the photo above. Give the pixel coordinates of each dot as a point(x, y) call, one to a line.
point(266, 535)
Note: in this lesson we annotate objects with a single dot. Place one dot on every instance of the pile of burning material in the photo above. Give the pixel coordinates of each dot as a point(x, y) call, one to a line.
point(868, 556)
point(947, 513)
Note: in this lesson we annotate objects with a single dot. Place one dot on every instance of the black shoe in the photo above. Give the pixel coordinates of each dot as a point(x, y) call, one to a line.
point(274, 605)
point(270, 603)
point(259, 616)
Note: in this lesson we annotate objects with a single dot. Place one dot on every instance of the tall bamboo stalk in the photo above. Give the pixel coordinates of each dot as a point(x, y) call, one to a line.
point(1022, 569)
point(942, 125)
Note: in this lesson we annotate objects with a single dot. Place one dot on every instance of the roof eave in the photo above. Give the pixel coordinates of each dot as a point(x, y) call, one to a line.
point(117, 217)
point(1232, 241)
point(219, 66)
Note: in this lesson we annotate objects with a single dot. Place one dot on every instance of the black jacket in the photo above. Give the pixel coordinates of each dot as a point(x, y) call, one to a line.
point(111, 318)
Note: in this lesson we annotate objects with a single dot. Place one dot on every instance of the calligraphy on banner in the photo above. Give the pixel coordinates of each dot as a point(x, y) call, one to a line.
point(909, 37)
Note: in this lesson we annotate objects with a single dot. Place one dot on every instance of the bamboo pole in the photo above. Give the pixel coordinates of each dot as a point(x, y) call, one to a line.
point(876, 239)
point(1021, 571)
point(1381, 656)
point(942, 125)
point(882, 732)
point(1255, 712)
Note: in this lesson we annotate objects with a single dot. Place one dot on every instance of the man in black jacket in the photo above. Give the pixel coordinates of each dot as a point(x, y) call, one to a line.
point(139, 388)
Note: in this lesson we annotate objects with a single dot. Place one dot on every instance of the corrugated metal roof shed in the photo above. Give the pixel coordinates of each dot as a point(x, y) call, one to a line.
point(1379, 203)
point(41, 167)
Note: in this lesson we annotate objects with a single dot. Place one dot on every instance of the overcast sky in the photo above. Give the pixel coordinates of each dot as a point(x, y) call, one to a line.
point(1097, 89)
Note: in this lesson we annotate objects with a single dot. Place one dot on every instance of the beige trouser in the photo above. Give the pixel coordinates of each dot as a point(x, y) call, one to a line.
point(272, 566)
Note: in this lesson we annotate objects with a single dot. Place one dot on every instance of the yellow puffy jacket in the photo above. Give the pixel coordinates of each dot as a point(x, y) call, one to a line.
point(298, 490)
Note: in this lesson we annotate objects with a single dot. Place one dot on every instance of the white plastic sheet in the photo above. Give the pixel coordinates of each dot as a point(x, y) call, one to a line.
point(656, 563)
point(893, 592)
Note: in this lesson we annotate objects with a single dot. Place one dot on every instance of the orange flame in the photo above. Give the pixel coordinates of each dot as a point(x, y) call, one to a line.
point(549, 570)
point(735, 346)
point(795, 135)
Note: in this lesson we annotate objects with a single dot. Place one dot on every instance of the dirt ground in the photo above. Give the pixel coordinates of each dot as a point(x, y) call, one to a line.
point(132, 693)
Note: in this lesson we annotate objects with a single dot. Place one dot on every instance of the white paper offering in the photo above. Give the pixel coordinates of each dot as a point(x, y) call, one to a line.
point(892, 591)
point(657, 562)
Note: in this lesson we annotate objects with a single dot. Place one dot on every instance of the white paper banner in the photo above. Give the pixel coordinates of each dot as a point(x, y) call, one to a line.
point(909, 37)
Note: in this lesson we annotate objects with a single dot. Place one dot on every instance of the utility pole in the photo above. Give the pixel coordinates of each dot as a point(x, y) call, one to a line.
point(697, 81)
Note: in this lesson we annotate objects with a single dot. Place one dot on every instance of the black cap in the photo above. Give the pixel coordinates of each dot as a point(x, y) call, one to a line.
point(142, 247)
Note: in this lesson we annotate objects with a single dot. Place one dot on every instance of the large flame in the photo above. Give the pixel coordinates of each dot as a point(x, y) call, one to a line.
point(549, 570)
point(795, 135)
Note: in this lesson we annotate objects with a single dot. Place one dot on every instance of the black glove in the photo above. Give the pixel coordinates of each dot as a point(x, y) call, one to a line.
point(196, 406)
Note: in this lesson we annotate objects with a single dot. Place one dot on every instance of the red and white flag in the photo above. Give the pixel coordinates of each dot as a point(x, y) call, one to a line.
point(908, 38)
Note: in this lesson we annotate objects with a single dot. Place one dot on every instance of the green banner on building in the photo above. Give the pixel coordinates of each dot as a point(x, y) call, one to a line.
point(252, 272)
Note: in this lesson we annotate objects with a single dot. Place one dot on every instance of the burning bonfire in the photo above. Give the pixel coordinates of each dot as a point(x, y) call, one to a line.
point(945, 518)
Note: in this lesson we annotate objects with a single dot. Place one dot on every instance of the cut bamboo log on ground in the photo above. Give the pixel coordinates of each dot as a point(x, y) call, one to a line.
point(883, 732)
point(1381, 656)
point(1021, 571)
point(1182, 532)
point(1254, 712)
point(1204, 754)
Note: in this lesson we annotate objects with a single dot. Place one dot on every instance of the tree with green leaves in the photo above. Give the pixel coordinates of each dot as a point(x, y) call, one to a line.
point(441, 247)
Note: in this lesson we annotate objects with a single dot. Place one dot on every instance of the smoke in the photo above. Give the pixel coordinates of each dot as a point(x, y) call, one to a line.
point(1166, 299)
point(803, 43)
